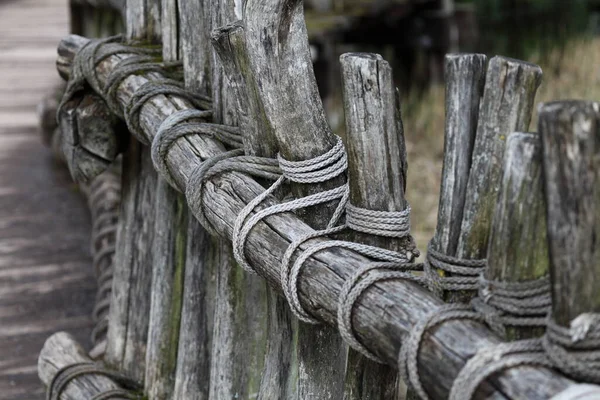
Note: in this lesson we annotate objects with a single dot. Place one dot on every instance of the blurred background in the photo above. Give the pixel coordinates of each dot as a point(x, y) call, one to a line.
point(562, 36)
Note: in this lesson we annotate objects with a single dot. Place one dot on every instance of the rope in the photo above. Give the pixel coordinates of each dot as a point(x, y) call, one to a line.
point(322, 168)
point(83, 67)
point(381, 223)
point(522, 304)
point(409, 352)
point(354, 288)
point(465, 272)
point(174, 128)
point(68, 373)
point(493, 359)
point(575, 351)
point(155, 88)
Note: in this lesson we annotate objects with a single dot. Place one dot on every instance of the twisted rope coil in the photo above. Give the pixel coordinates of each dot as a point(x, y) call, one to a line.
point(465, 273)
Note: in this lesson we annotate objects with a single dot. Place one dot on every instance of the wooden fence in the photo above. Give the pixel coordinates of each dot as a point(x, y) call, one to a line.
point(187, 322)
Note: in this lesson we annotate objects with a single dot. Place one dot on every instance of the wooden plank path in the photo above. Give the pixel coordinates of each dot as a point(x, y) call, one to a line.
point(46, 279)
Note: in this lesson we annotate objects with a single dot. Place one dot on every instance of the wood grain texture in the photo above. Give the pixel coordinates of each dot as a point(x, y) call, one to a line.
point(280, 59)
point(571, 142)
point(168, 260)
point(465, 77)
point(192, 371)
point(132, 278)
point(377, 178)
point(383, 315)
point(518, 246)
point(168, 270)
point(506, 106)
point(241, 300)
point(197, 312)
point(278, 378)
point(61, 350)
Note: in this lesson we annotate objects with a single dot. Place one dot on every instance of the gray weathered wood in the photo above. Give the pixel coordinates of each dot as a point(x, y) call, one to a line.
point(170, 30)
point(143, 20)
point(130, 303)
point(169, 260)
point(199, 283)
point(465, 78)
point(280, 365)
point(510, 88)
point(571, 137)
point(89, 137)
point(376, 173)
point(61, 350)
point(168, 269)
point(240, 306)
point(383, 315)
point(518, 247)
point(197, 312)
point(293, 107)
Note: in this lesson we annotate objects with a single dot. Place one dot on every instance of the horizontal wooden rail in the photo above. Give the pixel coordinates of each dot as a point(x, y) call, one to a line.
point(385, 313)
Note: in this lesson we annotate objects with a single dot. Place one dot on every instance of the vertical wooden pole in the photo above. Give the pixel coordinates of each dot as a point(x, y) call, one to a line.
point(465, 77)
point(199, 283)
point(571, 142)
point(294, 109)
point(240, 301)
point(130, 302)
point(169, 258)
point(376, 175)
point(280, 366)
point(506, 106)
point(510, 87)
point(518, 248)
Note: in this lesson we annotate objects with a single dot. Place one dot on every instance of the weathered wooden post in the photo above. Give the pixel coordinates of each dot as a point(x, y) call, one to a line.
point(509, 92)
point(518, 248)
point(280, 366)
point(377, 179)
point(571, 137)
point(240, 307)
point(130, 304)
point(199, 282)
point(292, 105)
point(168, 257)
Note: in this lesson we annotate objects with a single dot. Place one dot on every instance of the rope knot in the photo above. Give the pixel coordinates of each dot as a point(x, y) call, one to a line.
point(381, 223)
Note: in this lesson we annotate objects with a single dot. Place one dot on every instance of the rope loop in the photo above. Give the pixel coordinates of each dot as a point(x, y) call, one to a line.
point(490, 360)
point(575, 351)
point(381, 223)
point(409, 352)
point(356, 286)
point(524, 304)
point(319, 169)
point(155, 88)
point(465, 272)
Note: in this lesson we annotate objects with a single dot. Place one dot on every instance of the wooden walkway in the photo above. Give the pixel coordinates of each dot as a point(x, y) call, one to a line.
point(46, 281)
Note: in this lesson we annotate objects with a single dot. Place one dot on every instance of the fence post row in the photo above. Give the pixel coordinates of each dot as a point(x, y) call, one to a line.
point(188, 323)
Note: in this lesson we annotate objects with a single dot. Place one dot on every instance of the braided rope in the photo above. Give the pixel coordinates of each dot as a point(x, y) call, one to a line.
point(493, 359)
point(466, 272)
point(354, 288)
point(381, 223)
point(524, 304)
point(68, 373)
point(575, 351)
point(154, 88)
point(173, 128)
point(409, 352)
